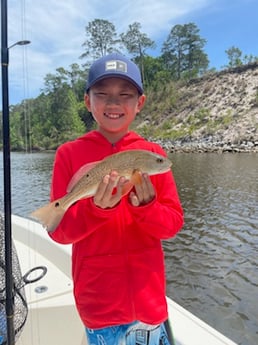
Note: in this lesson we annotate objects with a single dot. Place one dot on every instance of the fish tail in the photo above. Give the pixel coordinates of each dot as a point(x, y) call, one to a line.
point(49, 215)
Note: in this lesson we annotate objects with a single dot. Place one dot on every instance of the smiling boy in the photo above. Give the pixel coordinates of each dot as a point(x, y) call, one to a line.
point(117, 259)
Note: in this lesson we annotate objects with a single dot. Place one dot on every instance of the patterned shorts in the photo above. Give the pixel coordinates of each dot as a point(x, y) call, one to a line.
point(135, 333)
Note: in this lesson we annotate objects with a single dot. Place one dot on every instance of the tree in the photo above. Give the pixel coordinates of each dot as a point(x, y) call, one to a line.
point(16, 129)
point(55, 115)
point(249, 59)
point(136, 44)
point(101, 39)
point(196, 60)
point(65, 121)
point(183, 51)
point(40, 116)
point(173, 51)
point(135, 41)
point(76, 80)
point(155, 72)
point(234, 55)
point(54, 81)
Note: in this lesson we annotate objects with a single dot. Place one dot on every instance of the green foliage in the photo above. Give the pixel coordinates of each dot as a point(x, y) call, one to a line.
point(135, 41)
point(234, 55)
point(161, 98)
point(136, 44)
point(227, 118)
point(183, 51)
point(156, 75)
point(53, 117)
point(101, 38)
point(223, 121)
point(199, 117)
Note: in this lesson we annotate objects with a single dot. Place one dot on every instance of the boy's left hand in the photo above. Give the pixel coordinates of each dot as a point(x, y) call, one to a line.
point(144, 192)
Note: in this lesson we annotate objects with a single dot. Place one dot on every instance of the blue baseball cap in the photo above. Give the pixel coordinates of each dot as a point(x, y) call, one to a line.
point(114, 65)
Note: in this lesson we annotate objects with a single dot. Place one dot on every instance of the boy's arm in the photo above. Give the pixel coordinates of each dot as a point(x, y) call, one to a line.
point(82, 218)
point(163, 216)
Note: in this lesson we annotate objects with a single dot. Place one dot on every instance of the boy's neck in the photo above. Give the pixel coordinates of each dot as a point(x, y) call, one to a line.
point(113, 138)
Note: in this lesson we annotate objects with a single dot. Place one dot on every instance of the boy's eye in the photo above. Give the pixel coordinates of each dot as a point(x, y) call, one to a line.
point(127, 94)
point(100, 93)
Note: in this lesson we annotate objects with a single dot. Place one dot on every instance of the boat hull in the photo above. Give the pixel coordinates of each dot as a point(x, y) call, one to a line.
point(52, 317)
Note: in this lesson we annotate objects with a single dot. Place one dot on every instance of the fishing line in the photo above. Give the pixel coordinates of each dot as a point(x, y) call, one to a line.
point(26, 103)
point(27, 107)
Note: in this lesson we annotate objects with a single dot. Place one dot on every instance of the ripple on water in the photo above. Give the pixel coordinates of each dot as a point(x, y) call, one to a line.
point(212, 264)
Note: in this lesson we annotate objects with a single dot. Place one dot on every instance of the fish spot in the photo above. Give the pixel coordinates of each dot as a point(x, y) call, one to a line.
point(57, 204)
point(160, 160)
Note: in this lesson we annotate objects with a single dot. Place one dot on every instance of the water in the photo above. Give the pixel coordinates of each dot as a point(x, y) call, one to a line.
point(212, 264)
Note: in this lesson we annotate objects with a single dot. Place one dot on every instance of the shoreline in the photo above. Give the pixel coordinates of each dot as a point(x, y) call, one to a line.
point(188, 146)
point(206, 146)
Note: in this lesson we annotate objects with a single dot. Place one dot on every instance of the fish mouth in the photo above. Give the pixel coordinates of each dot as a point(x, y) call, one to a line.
point(113, 116)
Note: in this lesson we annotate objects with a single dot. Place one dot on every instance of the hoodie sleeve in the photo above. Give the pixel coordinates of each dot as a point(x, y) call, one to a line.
point(163, 217)
point(82, 218)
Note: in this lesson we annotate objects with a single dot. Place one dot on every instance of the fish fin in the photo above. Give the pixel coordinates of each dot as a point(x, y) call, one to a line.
point(79, 173)
point(127, 187)
point(49, 215)
point(136, 177)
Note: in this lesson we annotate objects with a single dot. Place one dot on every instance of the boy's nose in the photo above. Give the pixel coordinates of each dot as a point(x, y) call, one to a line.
point(113, 100)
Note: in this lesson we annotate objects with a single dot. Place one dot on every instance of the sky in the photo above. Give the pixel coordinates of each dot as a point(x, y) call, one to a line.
point(56, 30)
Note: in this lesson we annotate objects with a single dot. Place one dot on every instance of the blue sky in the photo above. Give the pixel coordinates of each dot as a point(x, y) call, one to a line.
point(56, 30)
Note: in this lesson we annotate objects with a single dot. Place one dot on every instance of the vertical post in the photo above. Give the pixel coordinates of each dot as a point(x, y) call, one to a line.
point(7, 177)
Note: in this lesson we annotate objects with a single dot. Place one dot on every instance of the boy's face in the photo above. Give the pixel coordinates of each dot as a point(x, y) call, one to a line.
point(114, 103)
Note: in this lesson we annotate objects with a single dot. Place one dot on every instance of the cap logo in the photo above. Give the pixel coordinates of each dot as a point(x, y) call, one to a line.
point(116, 65)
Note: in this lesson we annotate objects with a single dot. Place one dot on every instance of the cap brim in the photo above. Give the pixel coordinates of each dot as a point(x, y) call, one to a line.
point(115, 75)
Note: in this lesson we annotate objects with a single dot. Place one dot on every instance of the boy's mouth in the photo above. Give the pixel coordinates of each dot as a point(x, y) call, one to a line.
point(113, 116)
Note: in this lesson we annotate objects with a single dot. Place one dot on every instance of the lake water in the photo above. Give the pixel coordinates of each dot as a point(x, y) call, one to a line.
point(212, 264)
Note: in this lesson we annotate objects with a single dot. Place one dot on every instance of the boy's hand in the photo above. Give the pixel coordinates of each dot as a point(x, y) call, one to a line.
point(144, 192)
point(104, 197)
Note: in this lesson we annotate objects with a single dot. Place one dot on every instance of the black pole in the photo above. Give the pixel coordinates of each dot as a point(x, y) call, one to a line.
point(7, 177)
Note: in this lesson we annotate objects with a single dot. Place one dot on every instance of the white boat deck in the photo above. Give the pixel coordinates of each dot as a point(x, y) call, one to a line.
point(53, 318)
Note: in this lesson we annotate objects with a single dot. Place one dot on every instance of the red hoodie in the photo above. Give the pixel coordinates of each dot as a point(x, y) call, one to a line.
point(117, 259)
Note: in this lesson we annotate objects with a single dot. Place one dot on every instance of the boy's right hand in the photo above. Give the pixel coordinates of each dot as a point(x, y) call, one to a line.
point(104, 197)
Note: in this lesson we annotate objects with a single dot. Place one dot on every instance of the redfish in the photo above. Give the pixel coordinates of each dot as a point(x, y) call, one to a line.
point(85, 181)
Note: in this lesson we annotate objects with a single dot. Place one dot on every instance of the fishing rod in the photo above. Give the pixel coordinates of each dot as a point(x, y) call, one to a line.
point(7, 174)
point(9, 308)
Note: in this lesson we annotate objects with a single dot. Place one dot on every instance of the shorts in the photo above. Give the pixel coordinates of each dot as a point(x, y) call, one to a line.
point(3, 325)
point(135, 333)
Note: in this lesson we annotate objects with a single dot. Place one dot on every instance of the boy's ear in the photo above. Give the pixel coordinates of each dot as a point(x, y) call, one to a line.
point(141, 102)
point(87, 101)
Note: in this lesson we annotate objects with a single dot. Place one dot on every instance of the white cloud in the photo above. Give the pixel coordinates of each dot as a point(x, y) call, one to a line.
point(56, 29)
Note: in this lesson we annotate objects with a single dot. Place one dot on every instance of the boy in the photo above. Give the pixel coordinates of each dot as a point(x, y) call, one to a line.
point(117, 259)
